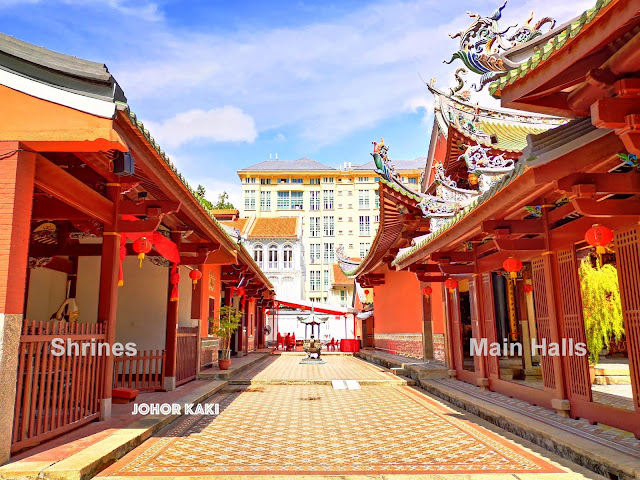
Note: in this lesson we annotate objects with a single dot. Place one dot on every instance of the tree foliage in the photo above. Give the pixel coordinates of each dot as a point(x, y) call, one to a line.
point(200, 192)
point(601, 304)
point(229, 320)
point(223, 202)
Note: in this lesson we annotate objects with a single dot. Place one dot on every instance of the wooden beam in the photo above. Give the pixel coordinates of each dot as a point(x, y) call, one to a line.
point(52, 209)
point(519, 244)
point(514, 227)
point(56, 182)
point(447, 257)
point(573, 232)
point(432, 278)
point(150, 208)
point(148, 225)
point(607, 208)
point(603, 183)
point(458, 269)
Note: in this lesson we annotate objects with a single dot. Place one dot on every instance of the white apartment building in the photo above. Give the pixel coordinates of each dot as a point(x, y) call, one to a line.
point(336, 206)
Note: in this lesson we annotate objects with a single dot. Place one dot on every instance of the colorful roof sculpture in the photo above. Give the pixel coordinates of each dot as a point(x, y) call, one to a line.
point(560, 39)
point(483, 44)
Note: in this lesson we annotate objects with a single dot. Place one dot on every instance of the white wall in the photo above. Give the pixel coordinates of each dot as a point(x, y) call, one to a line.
point(185, 289)
point(332, 328)
point(47, 291)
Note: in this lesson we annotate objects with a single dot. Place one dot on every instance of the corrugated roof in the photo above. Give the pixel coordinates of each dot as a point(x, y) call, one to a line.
point(511, 137)
point(300, 164)
point(284, 227)
point(416, 164)
point(558, 42)
point(339, 278)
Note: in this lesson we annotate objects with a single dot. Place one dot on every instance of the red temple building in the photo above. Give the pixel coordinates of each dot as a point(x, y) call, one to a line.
point(513, 217)
point(102, 239)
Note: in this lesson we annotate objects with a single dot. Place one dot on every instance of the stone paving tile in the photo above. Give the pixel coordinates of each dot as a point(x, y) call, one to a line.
point(298, 429)
point(286, 367)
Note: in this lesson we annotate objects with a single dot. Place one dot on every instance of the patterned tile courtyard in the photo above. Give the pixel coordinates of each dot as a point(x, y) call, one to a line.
point(312, 429)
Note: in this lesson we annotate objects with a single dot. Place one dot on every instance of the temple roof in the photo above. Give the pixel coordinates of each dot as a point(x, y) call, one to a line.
point(300, 164)
point(238, 224)
point(58, 70)
point(339, 278)
point(557, 40)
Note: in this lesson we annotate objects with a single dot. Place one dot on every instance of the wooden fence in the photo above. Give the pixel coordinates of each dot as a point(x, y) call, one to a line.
point(144, 372)
point(56, 393)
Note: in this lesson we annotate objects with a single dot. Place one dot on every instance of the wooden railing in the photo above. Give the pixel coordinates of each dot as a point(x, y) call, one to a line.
point(187, 354)
point(144, 372)
point(55, 394)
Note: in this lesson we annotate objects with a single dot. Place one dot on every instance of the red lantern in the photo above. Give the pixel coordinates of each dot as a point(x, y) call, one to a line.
point(451, 284)
point(513, 266)
point(528, 288)
point(598, 236)
point(366, 292)
point(241, 291)
point(426, 291)
point(141, 246)
point(195, 275)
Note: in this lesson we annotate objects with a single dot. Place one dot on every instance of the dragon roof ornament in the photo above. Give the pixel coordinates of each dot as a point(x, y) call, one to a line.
point(477, 159)
point(346, 263)
point(483, 44)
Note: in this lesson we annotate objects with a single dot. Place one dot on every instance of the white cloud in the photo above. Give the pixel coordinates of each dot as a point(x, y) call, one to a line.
point(214, 187)
point(225, 124)
point(327, 79)
point(148, 11)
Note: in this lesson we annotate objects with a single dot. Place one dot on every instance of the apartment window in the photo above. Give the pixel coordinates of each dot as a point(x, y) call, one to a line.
point(351, 219)
point(265, 201)
point(314, 277)
point(328, 199)
point(283, 180)
point(327, 179)
point(349, 193)
point(296, 180)
point(287, 257)
point(363, 199)
point(339, 232)
point(343, 297)
point(314, 181)
point(413, 180)
point(258, 255)
point(273, 256)
point(283, 201)
point(314, 252)
point(377, 218)
point(364, 249)
point(350, 206)
point(296, 201)
point(314, 226)
point(328, 253)
point(326, 279)
point(314, 200)
point(377, 199)
point(339, 193)
point(328, 226)
point(339, 205)
point(363, 179)
point(265, 181)
point(250, 180)
point(351, 245)
point(365, 228)
point(250, 200)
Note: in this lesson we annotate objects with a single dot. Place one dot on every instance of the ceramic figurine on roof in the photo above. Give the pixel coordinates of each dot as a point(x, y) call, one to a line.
point(483, 43)
point(486, 168)
point(346, 263)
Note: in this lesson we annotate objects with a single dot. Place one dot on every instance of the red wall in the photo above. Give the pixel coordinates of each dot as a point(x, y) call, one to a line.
point(437, 308)
point(398, 303)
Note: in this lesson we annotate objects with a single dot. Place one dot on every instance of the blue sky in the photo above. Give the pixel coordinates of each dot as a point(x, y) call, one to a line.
point(222, 84)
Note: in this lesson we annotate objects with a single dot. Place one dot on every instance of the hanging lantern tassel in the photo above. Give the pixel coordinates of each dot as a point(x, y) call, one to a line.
point(513, 266)
point(142, 246)
point(195, 275)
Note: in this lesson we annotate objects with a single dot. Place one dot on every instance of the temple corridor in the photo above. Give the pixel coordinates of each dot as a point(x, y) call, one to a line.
point(282, 418)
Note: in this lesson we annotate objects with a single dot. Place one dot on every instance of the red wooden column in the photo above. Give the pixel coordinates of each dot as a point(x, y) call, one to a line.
point(108, 294)
point(449, 355)
point(427, 328)
point(485, 293)
point(242, 305)
point(171, 337)
point(480, 361)
point(17, 173)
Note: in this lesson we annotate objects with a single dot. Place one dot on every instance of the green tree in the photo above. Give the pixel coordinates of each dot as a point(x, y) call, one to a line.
point(200, 192)
point(223, 202)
